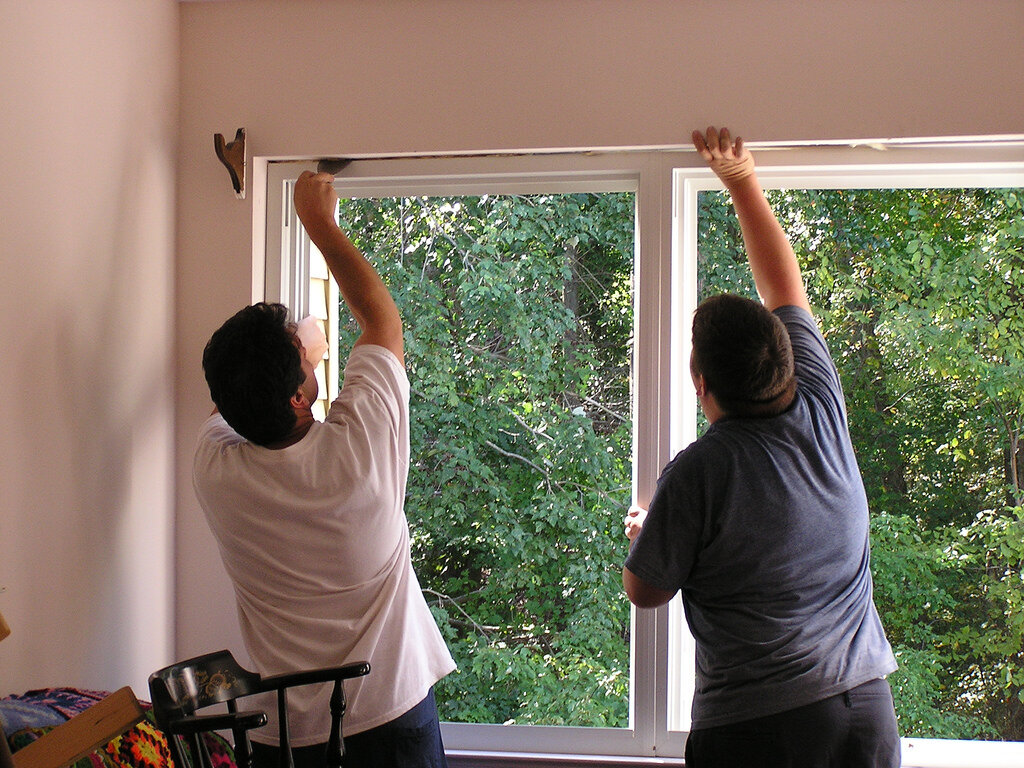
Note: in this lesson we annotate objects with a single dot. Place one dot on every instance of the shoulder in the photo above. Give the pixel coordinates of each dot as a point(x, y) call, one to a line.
point(375, 367)
point(797, 320)
point(374, 381)
point(376, 361)
point(688, 472)
point(811, 356)
point(217, 449)
point(216, 431)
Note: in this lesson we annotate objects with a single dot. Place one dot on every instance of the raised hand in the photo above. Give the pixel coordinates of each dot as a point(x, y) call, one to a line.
point(730, 160)
point(634, 521)
point(316, 201)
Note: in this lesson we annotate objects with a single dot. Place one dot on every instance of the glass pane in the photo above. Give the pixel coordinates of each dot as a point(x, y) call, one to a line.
point(920, 294)
point(519, 314)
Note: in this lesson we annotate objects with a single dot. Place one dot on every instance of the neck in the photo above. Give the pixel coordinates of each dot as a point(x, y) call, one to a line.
point(303, 422)
point(708, 404)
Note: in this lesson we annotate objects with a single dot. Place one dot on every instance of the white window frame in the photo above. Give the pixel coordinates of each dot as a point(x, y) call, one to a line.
point(934, 165)
point(647, 174)
point(666, 182)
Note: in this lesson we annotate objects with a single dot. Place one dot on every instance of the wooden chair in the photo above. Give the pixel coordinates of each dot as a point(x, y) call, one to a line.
point(181, 689)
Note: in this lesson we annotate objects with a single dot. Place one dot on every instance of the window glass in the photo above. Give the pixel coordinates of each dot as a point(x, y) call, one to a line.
point(920, 295)
point(519, 321)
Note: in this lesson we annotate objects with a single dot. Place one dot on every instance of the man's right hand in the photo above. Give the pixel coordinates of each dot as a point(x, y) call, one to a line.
point(634, 521)
point(730, 161)
point(316, 202)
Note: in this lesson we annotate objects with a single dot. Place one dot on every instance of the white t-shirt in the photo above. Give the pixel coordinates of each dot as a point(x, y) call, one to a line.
point(315, 540)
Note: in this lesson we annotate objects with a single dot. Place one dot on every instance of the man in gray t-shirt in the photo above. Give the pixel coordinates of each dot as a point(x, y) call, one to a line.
point(762, 525)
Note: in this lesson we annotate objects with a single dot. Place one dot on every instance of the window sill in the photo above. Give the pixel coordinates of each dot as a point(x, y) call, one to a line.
point(917, 753)
point(946, 753)
point(478, 759)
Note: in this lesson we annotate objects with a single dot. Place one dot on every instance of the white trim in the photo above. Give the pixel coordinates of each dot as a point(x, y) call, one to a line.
point(458, 758)
point(948, 753)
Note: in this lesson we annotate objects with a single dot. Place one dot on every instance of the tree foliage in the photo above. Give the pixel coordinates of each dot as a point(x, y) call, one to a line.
point(920, 294)
point(518, 312)
point(519, 315)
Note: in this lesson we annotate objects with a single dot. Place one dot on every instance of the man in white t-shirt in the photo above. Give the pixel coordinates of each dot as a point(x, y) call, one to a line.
point(309, 516)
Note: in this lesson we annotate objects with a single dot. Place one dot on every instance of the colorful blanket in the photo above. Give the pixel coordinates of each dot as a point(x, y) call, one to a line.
point(28, 716)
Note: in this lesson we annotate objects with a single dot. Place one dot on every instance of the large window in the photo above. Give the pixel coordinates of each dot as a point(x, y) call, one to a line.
point(518, 312)
point(518, 287)
point(547, 301)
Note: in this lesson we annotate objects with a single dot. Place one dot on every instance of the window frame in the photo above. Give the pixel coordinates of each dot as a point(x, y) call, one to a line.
point(649, 176)
point(666, 183)
point(931, 165)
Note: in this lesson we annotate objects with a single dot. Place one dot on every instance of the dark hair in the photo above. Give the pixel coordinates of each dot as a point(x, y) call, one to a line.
point(253, 368)
point(744, 353)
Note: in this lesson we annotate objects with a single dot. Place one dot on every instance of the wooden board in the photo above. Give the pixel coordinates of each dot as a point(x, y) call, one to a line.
point(83, 733)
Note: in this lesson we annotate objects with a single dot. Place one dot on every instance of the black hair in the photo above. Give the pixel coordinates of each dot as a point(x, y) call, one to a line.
point(745, 355)
point(253, 368)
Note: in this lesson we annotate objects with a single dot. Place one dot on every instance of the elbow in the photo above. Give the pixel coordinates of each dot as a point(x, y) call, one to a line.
point(641, 594)
point(643, 601)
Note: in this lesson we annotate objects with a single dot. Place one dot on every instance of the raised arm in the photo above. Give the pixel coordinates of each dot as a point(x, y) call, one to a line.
point(362, 289)
point(772, 261)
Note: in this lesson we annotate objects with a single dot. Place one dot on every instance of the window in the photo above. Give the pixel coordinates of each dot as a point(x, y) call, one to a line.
point(917, 342)
point(455, 237)
point(518, 312)
point(663, 204)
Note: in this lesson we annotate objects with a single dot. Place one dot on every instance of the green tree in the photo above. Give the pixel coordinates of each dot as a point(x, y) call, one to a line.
point(519, 314)
point(519, 324)
point(919, 294)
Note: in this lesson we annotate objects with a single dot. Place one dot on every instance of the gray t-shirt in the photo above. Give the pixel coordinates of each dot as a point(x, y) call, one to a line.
point(762, 523)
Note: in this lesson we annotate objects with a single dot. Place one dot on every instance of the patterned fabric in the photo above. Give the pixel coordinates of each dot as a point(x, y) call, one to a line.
point(143, 746)
point(49, 706)
point(36, 713)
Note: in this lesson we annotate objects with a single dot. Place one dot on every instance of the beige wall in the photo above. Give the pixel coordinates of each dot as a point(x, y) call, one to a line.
point(368, 77)
point(100, 359)
point(88, 132)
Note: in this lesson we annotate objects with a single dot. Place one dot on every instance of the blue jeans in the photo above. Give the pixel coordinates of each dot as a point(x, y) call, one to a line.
point(412, 740)
point(855, 729)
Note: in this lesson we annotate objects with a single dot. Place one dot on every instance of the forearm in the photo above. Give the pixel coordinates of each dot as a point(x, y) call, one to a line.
point(369, 300)
point(362, 289)
point(773, 263)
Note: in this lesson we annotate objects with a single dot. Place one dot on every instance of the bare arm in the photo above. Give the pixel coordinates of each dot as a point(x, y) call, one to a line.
point(772, 261)
point(639, 592)
point(362, 289)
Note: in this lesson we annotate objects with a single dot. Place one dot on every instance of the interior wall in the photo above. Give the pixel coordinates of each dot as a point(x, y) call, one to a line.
point(88, 131)
point(312, 78)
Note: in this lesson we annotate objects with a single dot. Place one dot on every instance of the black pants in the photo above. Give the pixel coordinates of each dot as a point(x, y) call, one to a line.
point(412, 740)
point(855, 729)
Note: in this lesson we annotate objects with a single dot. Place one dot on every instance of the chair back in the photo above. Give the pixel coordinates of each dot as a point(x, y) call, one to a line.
point(212, 678)
point(181, 689)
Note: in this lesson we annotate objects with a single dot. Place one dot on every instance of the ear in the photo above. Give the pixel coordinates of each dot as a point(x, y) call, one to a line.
point(298, 400)
point(699, 386)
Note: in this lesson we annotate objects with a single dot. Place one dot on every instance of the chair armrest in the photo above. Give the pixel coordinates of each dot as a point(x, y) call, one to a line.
point(308, 677)
point(187, 726)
